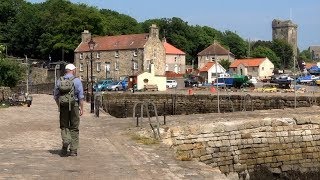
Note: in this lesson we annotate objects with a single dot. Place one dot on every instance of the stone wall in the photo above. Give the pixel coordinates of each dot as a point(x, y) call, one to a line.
point(281, 144)
point(121, 105)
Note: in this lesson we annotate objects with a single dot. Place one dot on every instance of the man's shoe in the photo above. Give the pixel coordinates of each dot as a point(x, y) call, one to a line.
point(64, 150)
point(73, 153)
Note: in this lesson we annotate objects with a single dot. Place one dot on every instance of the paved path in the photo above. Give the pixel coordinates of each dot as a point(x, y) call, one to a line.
point(30, 143)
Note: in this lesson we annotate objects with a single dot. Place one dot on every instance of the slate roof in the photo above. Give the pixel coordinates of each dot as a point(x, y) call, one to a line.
point(121, 42)
point(170, 49)
point(214, 49)
point(251, 62)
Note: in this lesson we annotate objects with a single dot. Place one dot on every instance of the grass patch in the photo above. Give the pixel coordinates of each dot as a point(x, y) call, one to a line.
point(144, 140)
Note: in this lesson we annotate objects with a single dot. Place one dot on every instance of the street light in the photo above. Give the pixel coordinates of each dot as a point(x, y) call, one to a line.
point(91, 44)
point(87, 83)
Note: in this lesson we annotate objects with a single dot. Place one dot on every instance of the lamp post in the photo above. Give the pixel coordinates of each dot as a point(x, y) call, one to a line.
point(87, 83)
point(91, 44)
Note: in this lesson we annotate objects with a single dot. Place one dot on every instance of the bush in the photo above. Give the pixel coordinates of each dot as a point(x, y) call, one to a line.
point(11, 72)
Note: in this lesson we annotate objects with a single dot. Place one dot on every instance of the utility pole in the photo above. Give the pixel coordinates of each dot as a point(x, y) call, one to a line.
point(216, 63)
point(295, 82)
point(27, 74)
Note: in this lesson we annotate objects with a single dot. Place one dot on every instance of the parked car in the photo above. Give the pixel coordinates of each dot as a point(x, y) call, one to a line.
point(172, 84)
point(115, 86)
point(253, 80)
point(102, 85)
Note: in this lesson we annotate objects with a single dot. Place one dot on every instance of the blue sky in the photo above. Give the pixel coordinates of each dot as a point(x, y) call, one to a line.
point(249, 18)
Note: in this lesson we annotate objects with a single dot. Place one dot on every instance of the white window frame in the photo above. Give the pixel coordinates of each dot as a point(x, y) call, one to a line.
point(167, 67)
point(116, 66)
point(148, 64)
point(135, 65)
point(81, 56)
point(108, 66)
point(116, 54)
point(98, 55)
point(81, 67)
point(98, 66)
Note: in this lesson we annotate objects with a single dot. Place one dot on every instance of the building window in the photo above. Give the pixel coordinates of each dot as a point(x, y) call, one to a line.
point(207, 57)
point(98, 66)
point(176, 68)
point(154, 53)
point(98, 55)
point(107, 66)
point(179, 69)
point(135, 53)
point(175, 59)
point(167, 67)
point(116, 66)
point(148, 64)
point(135, 65)
point(81, 56)
point(116, 54)
point(81, 67)
point(212, 59)
point(262, 68)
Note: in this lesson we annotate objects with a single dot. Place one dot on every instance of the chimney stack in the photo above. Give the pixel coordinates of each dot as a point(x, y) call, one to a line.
point(86, 36)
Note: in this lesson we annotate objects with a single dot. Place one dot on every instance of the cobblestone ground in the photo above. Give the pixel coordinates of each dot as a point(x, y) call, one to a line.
point(30, 143)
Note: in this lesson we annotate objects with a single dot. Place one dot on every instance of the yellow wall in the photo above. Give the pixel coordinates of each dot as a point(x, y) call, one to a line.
point(160, 81)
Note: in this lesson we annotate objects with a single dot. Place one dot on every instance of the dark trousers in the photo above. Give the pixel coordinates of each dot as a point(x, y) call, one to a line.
point(69, 125)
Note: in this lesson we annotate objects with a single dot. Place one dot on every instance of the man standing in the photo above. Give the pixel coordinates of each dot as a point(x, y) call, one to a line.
point(68, 94)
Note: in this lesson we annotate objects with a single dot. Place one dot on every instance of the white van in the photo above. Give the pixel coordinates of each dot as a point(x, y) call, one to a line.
point(172, 84)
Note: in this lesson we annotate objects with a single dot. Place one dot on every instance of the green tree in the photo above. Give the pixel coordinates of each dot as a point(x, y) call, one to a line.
point(225, 64)
point(11, 72)
point(235, 43)
point(305, 56)
point(262, 52)
point(284, 51)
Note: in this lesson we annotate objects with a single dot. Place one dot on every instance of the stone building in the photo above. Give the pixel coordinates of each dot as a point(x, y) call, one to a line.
point(315, 52)
point(286, 30)
point(120, 56)
point(215, 50)
point(175, 58)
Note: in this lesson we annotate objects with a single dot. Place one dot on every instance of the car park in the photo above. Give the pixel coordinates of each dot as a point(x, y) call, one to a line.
point(172, 84)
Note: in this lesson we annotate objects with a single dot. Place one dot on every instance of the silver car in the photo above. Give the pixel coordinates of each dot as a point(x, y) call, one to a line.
point(115, 86)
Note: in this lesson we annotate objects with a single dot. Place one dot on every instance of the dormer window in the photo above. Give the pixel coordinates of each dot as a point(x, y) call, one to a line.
point(116, 54)
point(81, 56)
point(98, 55)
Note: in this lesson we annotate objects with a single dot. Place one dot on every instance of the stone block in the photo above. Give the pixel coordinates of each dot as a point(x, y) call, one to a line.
point(183, 155)
point(223, 137)
point(298, 139)
point(224, 149)
point(257, 140)
point(283, 158)
point(223, 163)
point(225, 143)
point(184, 147)
point(251, 162)
point(198, 146)
point(211, 144)
point(198, 153)
point(282, 134)
point(217, 143)
point(268, 160)
point(274, 140)
point(307, 138)
point(260, 160)
point(206, 157)
point(224, 169)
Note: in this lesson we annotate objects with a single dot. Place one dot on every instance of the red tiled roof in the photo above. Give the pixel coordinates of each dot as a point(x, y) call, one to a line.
point(170, 49)
point(252, 62)
point(107, 43)
point(214, 49)
point(171, 74)
point(207, 67)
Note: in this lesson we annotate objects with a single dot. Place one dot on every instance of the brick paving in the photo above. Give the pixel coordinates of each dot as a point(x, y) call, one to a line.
point(30, 143)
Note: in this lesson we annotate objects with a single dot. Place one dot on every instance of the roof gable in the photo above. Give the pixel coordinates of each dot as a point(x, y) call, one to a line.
point(207, 67)
point(170, 49)
point(251, 62)
point(121, 42)
point(214, 49)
